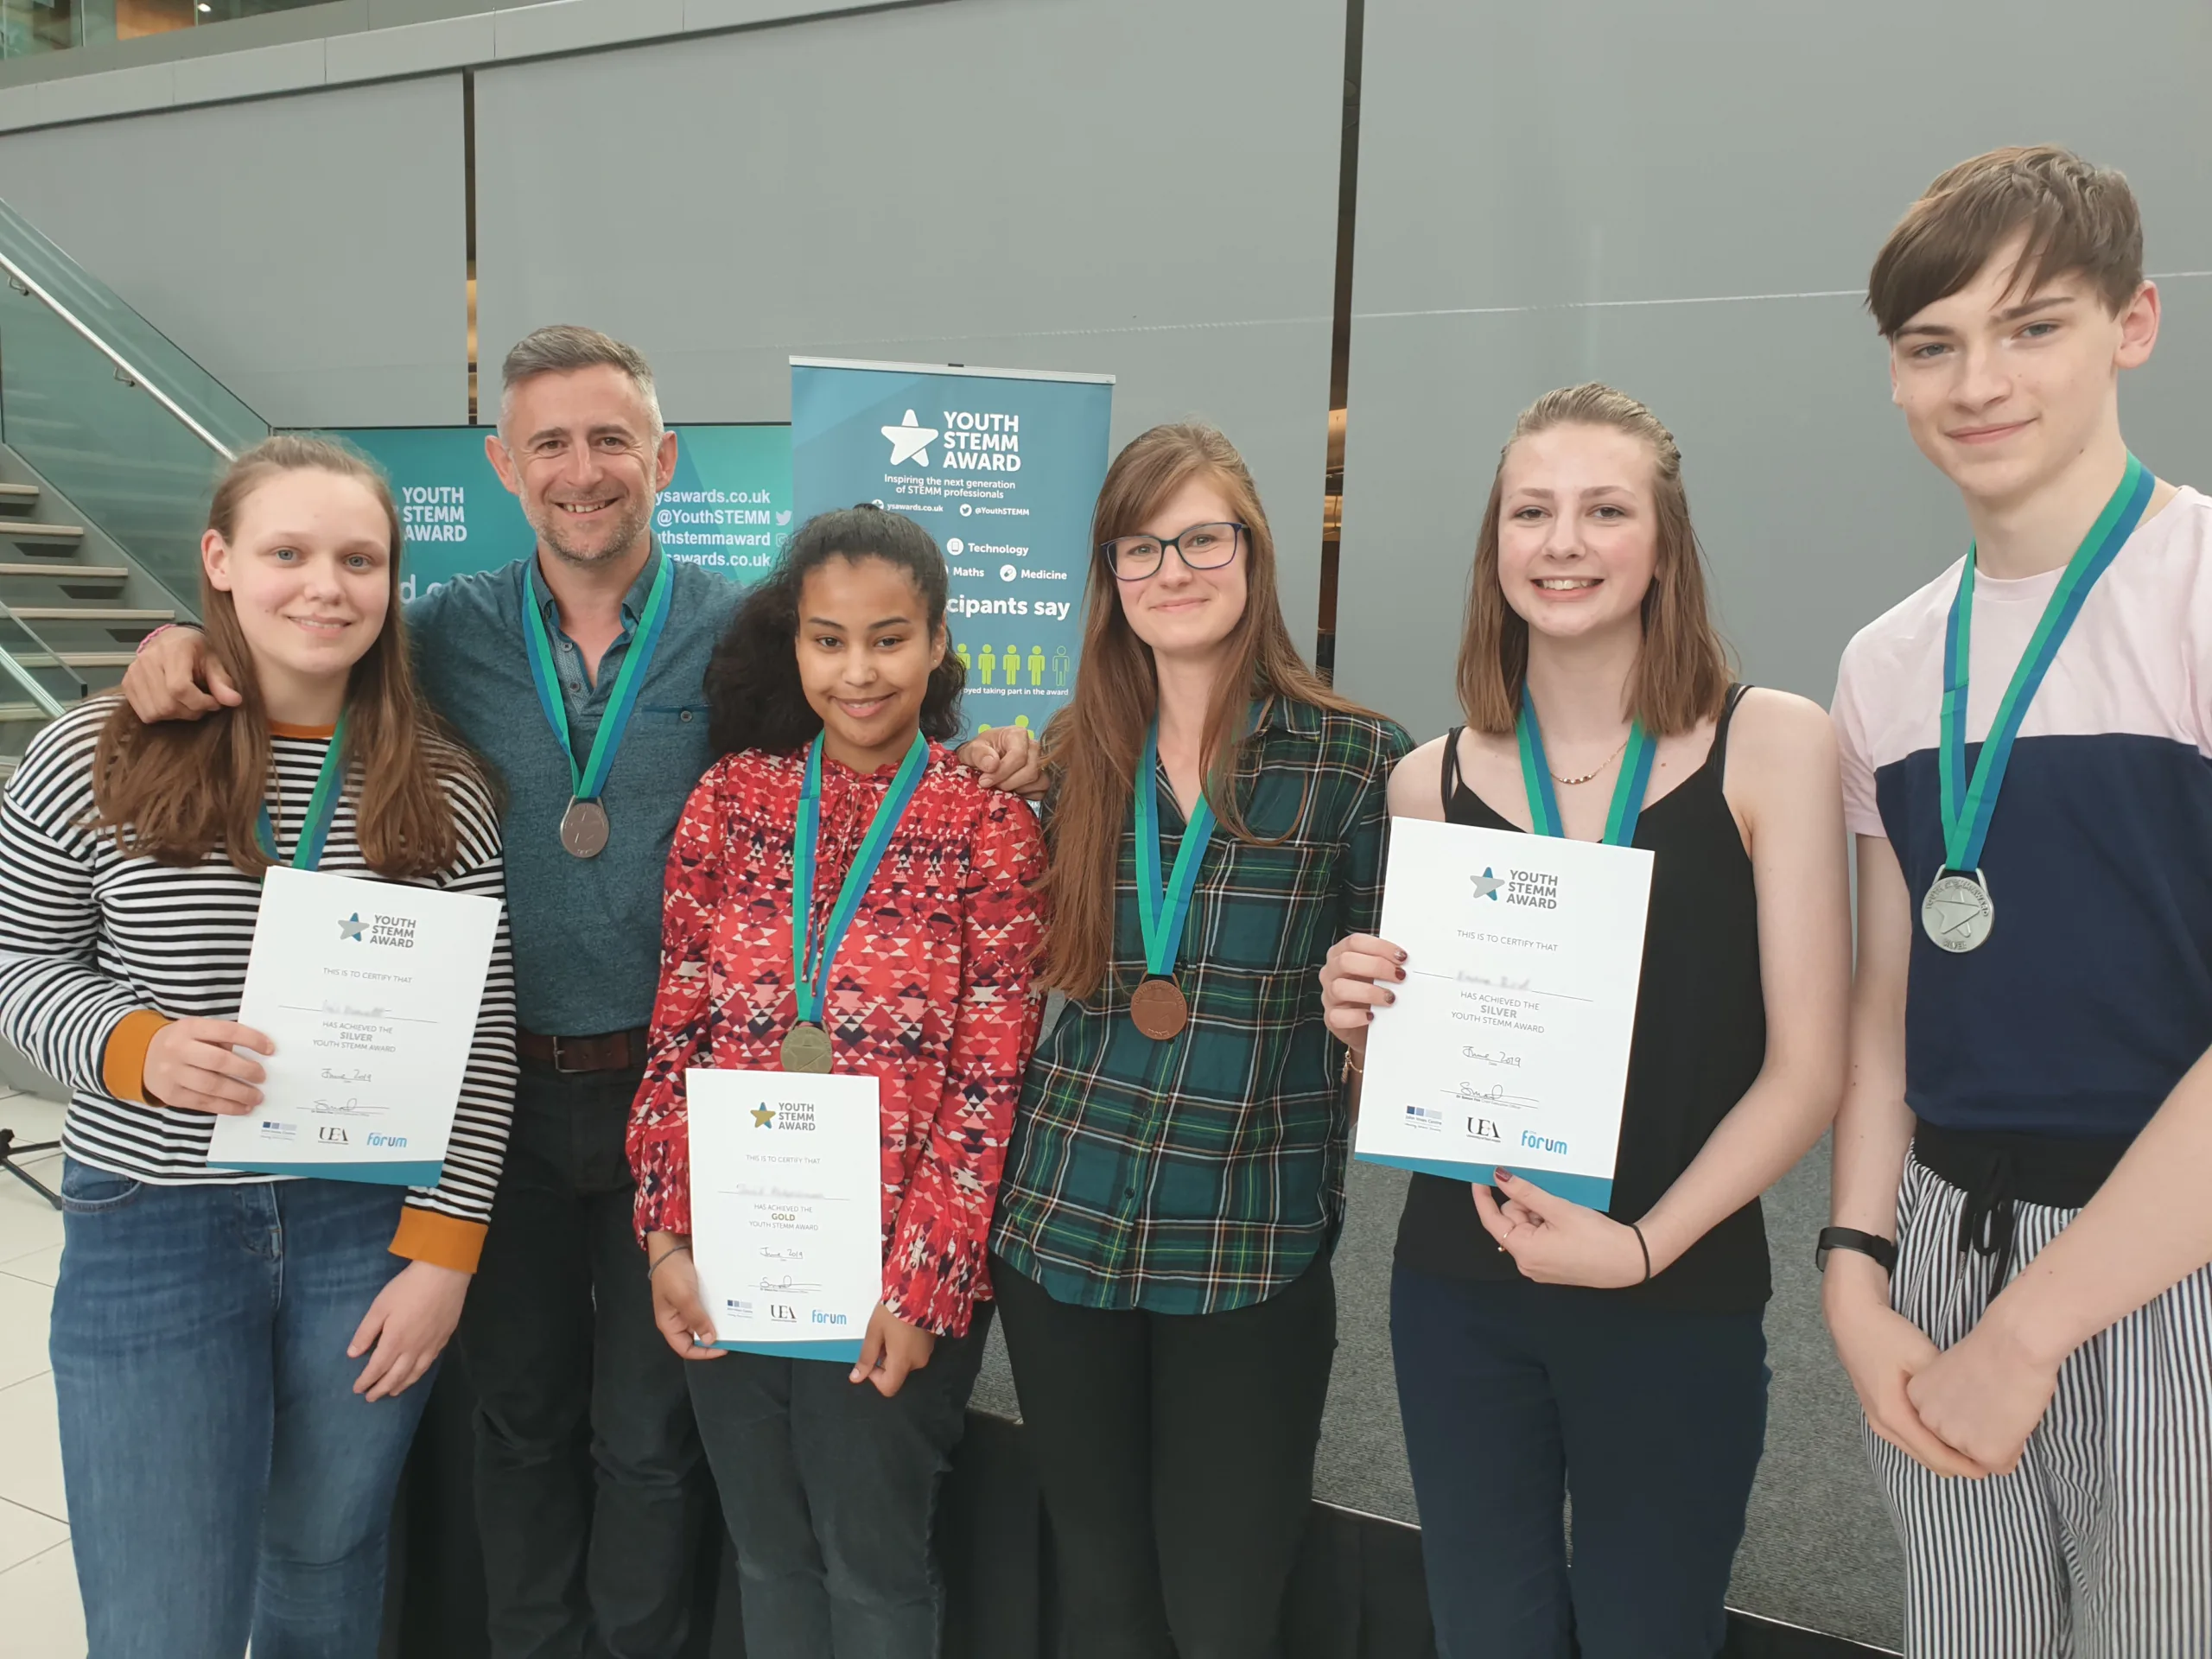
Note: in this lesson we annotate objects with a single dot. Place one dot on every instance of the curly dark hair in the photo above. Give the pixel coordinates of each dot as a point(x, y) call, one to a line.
point(755, 698)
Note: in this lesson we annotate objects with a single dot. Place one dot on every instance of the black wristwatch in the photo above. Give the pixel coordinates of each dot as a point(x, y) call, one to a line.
point(1885, 1251)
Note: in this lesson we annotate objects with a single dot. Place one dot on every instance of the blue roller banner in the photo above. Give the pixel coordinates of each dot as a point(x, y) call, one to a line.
point(1003, 467)
point(728, 507)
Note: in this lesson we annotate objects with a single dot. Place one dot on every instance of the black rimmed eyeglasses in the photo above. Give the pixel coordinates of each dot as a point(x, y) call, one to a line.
point(1201, 547)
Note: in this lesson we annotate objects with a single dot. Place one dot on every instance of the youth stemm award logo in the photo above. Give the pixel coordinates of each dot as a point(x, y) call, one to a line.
point(351, 929)
point(764, 1115)
point(909, 440)
point(1487, 884)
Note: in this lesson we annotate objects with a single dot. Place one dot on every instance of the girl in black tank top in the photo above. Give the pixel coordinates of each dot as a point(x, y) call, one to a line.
point(1700, 1041)
point(1541, 1345)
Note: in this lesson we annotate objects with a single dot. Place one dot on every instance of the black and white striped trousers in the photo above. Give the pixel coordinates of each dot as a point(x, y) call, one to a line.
point(2099, 1545)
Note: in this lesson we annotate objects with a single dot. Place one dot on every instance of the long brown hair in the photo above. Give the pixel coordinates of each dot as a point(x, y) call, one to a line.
point(173, 790)
point(1095, 743)
point(1681, 671)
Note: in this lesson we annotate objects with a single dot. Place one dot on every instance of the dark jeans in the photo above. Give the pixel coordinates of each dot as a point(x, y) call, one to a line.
point(1513, 1394)
point(224, 1479)
point(1176, 1456)
point(590, 1487)
point(830, 1490)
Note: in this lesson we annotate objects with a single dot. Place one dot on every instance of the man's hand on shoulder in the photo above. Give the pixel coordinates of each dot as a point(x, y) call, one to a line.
point(1008, 758)
point(172, 678)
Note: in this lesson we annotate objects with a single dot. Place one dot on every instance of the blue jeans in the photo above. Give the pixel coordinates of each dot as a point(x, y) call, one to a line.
point(1515, 1393)
point(830, 1490)
point(224, 1479)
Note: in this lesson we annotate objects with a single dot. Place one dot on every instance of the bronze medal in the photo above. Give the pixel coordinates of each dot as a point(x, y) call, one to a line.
point(806, 1049)
point(584, 830)
point(1159, 1009)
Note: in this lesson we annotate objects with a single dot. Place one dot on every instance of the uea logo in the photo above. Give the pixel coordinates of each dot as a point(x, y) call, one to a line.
point(333, 1134)
point(1487, 884)
point(910, 440)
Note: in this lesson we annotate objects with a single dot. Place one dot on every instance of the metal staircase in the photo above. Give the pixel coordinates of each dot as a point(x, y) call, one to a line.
point(111, 440)
point(72, 608)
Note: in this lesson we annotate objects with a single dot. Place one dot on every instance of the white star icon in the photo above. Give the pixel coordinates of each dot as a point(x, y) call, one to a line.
point(1486, 885)
point(909, 442)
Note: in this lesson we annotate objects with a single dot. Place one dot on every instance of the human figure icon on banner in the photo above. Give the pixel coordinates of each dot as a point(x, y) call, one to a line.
point(990, 663)
point(960, 652)
point(1013, 666)
point(1036, 665)
point(1061, 667)
point(1021, 722)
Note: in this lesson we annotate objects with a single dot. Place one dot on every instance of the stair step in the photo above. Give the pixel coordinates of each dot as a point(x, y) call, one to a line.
point(85, 613)
point(69, 572)
point(16, 713)
point(11, 529)
point(17, 492)
point(77, 658)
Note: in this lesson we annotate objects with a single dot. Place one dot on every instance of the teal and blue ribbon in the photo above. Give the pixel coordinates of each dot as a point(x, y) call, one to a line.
point(813, 954)
point(1967, 804)
point(587, 781)
point(322, 808)
point(1628, 788)
point(1163, 908)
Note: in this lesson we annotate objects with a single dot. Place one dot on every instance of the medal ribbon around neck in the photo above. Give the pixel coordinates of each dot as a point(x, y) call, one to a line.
point(811, 953)
point(1162, 909)
point(586, 782)
point(1967, 804)
point(1628, 788)
point(322, 808)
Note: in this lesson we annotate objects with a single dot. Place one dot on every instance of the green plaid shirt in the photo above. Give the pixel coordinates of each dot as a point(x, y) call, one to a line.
point(1205, 1173)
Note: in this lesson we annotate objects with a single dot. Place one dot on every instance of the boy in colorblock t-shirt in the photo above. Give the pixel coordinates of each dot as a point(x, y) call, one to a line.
point(2017, 1279)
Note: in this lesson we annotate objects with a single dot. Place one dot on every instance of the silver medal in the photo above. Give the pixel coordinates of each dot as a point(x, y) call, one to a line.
point(1957, 911)
point(584, 828)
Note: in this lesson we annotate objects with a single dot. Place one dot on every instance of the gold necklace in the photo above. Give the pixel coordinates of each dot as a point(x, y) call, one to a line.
point(1594, 771)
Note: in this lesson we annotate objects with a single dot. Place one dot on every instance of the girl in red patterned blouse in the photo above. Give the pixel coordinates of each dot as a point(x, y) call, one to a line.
point(828, 1473)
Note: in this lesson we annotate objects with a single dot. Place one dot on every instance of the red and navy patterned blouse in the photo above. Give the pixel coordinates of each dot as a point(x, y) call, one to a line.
point(930, 994)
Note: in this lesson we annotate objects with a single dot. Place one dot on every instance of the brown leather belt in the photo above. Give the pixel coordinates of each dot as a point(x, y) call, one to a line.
point(610, 1050)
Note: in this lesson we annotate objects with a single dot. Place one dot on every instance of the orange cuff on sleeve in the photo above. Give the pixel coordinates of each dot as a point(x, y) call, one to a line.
point(443, 1241)
point(122, 1067)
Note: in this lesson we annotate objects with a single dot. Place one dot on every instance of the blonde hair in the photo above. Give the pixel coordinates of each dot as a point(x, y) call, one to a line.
point(1681, 671)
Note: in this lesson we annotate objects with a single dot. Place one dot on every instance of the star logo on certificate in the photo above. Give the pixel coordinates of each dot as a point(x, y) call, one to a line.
point(1487, 884)
point(351, 927)
point(763, 1116)
point(909, 442)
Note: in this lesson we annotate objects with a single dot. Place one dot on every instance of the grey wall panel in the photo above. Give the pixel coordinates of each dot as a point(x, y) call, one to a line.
point(1557, 193)
point(309, 251)
point(1146, 189)
point(1684, 200)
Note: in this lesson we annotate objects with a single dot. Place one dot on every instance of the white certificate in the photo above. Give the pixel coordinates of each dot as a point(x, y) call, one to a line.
point(371, 991)
point(786, 1209)
point(1508, 1045)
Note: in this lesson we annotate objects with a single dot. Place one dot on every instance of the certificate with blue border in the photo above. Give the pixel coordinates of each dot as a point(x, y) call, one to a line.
point(786, 1209)
point(1508, 1045)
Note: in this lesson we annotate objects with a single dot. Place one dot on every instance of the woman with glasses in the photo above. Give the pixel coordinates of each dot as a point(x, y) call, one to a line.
point(1544, 1346)
point(1175, 1182)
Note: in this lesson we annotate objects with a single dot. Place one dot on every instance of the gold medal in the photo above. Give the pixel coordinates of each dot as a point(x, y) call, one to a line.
point(806, 1048)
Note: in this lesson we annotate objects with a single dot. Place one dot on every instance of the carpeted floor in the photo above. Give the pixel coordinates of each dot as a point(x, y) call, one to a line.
point(1818, 1550)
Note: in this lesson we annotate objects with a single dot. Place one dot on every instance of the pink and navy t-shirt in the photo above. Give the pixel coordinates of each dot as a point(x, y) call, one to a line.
point(2094, 992)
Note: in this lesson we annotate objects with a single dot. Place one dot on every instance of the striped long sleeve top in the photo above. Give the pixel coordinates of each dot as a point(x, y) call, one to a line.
point(98, 951)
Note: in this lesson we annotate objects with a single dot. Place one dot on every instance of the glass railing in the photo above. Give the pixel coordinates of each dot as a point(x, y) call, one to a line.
point(33, 26)
point(110, 412)
point(31, 673)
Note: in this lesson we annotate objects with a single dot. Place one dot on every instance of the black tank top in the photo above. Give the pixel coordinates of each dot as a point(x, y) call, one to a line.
point(1700, 1041)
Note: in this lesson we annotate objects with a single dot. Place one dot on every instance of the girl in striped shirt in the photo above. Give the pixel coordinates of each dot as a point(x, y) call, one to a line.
point(239, 1358)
